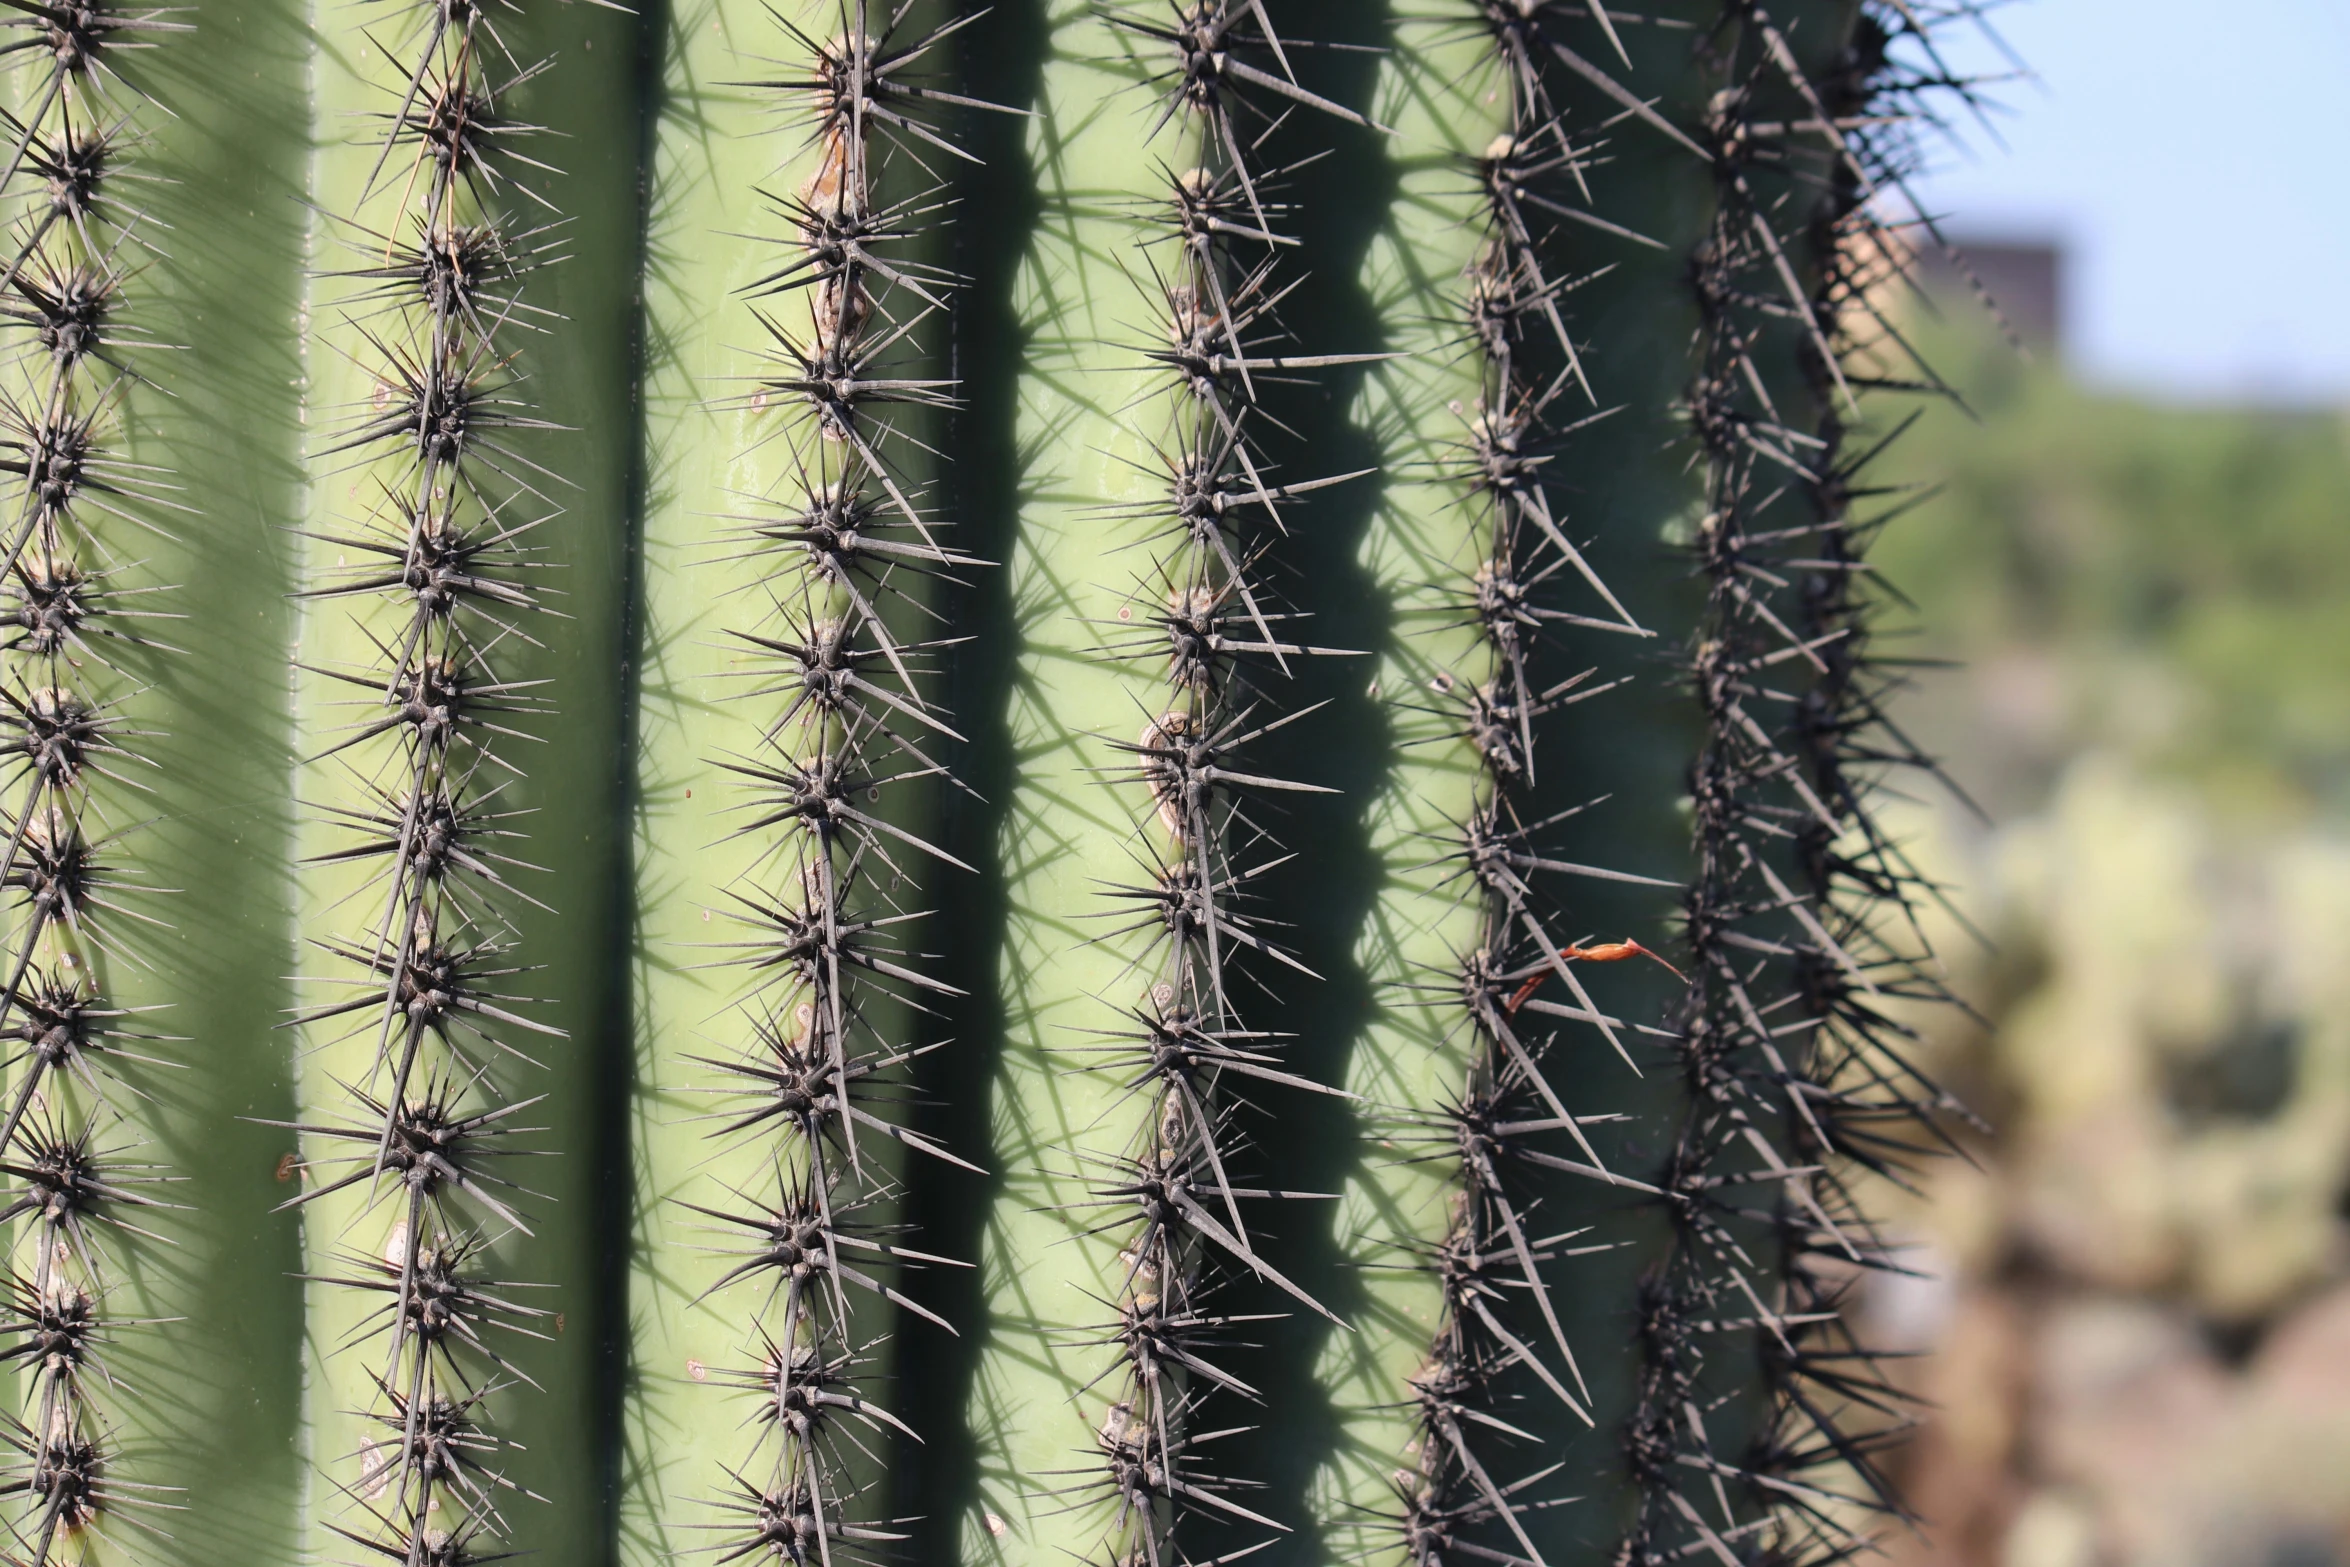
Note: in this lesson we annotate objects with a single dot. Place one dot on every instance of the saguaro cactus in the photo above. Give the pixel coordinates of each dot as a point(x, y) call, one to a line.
point(821, 781)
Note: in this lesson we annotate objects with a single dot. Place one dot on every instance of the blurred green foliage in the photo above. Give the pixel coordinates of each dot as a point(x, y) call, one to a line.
point(2134, 1300)
point(2175, 580)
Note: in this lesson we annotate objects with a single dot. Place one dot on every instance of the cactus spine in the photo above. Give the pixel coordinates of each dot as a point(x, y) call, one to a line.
point(1497, 609)
point(81, 636)
point(1158, 654)
point(808, 573)
point(457, 871)
point(1810, 1051)
point(1749, 1421)
point(675, 837)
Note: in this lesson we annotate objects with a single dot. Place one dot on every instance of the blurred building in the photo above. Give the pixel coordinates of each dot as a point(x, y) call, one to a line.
point(2024, 279)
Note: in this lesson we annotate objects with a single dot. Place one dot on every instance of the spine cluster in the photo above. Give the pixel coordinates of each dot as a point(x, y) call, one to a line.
point(434, 554)
point(850, 730)
point(1477, 1473)
point(1803, 948)
point(1207, 620)
point(71, 654)
point(1792, 1065)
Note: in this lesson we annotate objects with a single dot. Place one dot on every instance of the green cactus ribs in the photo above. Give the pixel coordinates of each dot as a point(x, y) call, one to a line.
point(83, 617)
point(810, 558)
point(821, 781)
point(459, 545)
point(1159, 657)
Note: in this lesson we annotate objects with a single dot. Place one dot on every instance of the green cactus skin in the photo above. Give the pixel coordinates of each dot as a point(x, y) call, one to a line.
point(1138, 849)
point(1740, 1432)
point(1087, 394)
point(795, 537)
point(207, 1397)
point(88, 956)
point(1686, 1276)
point(713, 142)
point(1005, 854)
point(558, 362)
point(1415, 1468)
point(1439, 92)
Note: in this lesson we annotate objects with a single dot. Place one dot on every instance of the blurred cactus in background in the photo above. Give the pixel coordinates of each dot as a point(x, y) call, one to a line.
point(2137, 1304)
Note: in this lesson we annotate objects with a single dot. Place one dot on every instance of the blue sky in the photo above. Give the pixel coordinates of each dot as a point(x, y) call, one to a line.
point(2194, 158)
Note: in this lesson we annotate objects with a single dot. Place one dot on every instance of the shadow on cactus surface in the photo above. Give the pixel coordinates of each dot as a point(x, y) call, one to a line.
point(821, 781)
